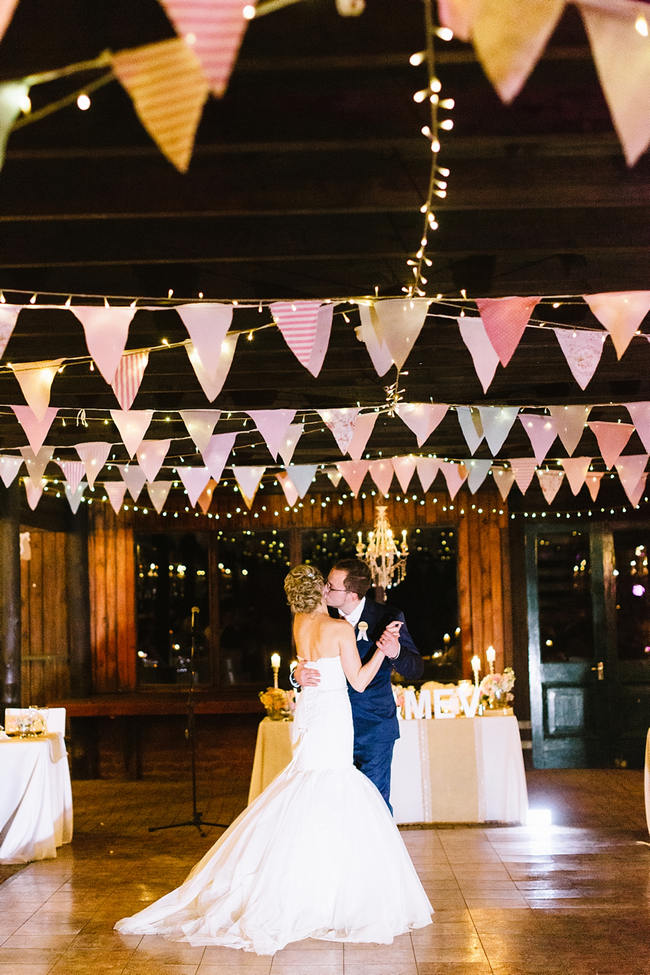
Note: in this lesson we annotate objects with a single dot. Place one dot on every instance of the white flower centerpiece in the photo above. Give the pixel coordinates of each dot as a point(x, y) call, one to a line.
point(495, 692)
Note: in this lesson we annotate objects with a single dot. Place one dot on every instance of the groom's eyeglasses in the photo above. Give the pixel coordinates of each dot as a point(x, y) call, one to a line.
point(332, 589)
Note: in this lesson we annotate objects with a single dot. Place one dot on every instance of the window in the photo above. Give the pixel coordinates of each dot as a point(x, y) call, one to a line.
point(632, 596)
point(564, 587)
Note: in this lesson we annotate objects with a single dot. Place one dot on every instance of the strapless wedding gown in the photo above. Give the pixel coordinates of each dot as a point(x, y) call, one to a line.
point(316, 855)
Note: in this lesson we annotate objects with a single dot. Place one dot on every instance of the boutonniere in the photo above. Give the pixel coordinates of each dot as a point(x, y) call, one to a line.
point(363, 634)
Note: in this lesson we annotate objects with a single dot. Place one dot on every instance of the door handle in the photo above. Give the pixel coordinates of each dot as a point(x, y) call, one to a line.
point(600, 670)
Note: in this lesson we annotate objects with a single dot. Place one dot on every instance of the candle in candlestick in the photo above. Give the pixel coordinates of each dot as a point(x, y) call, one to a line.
point(275, 665)
point(490, 656)
point(476, 666)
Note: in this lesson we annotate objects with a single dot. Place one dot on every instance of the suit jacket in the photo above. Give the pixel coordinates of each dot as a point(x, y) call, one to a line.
point(373, 711)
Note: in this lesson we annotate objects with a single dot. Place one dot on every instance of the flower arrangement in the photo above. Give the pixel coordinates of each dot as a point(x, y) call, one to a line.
point(278, 704)
point(495, 690)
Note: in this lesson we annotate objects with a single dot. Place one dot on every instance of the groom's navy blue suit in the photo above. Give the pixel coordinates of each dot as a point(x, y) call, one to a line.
point(373, 711)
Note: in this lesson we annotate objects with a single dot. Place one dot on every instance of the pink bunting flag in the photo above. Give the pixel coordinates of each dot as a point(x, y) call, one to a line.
point(151, 454)
point(621, 313)
point(497, 422)
point(341, 423)
point(158, 492)
point(550, 482)
point(8, 316)
point(129, 376)
point(35, 379)
point(570, 422)
point(200, 425)
point(631, 471)
point(34, 491)
point(205, 497)
point(504, 478)
point(592, 481)
point(9, 467)
point(459, 15)
point(354, 472)
point(75, 495)
point(106, 330)
point(421, 418)
point(477, 472)
point(214, 30)
point(640, 415)
point(302, 476)
point(469, 420)
point(541, 433)
point(582, 351)
point(381, 471)
point(523, 469)
point(454, 474)
point(115, 491)
point(93, 456)
point(294, 433)
point(612, 438)
point(248, 479)
point(194, 481)
point(207, 325)
point(397, 323)
point(427, 468)
point(73, 471)
point(273, 425)
point(505, 321)
point(168, 88)
point(305, 330)
point(485, 359)
point(634, 494)
point(575, 469)
point(404, 468)
point(212, 381)
point(35, 430)
point(132, 426)
point(36, 462)
point(289, 488)
point(217, 453)
point(7, 8)
point(363, 427)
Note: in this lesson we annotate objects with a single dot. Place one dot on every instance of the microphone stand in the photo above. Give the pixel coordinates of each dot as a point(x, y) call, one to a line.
point(197, 819)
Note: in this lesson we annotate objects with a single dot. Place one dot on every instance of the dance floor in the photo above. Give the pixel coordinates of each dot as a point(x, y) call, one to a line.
point(572, 898)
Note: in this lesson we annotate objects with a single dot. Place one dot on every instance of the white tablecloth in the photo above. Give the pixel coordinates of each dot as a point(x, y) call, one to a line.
point(646, 780)
point(35, 798)
point(461, 770)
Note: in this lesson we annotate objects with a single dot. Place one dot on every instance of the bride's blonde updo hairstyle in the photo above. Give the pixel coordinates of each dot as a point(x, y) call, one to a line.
point(304, 588)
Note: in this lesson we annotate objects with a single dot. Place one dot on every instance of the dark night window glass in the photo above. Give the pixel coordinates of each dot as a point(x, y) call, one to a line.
point(564, 591)
point(632, 596)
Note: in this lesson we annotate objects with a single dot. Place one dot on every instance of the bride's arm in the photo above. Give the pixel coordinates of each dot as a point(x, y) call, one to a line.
point(357, 674)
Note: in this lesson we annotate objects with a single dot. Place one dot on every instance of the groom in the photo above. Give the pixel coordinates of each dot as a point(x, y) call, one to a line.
point(373, 711)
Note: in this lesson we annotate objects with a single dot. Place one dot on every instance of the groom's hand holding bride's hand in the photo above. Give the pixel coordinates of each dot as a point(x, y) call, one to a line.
point(388, 642)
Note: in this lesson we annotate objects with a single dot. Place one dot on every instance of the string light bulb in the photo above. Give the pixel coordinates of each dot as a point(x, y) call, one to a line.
point(83, 102)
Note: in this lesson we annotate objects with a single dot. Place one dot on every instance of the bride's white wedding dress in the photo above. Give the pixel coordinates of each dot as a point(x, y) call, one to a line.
point(316, 855)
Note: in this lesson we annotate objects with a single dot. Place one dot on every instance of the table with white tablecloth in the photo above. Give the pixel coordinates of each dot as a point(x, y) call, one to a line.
point(35, 798)
point(461, 770)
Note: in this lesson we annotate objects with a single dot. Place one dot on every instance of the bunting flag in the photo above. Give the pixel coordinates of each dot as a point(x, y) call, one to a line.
point(454, 475)
point(397, 323)
point(421, 418)
point(497, 422)
point(36, 461)
point(248, 480)
point(73, 471)
point(115, 491)
point(570, 423)
point(640, 415)
point(205, 497)
point(12, 93)
point(9, 467)
point(470, 424)
point(200, 425)
point(550, 482)
point(194, 481)
point(620, 312)
point(363, 427)
point(478, 471)
point(166, 84)
point(404, 468)
point(214, 30)
point(35, 380)
point(8, 317)
point(504, 478)
point(378, 351)
point(593, 483)
point(634, 494)
point(132, 426)
point(151, 454)
point(302, 476)
point(94, 456)
point(212, 380)
point(354, 472)
point(427, 468)
point(582, 351)
point(217, 453)
point(273, 425)
point(289, 488)
point(158, 492)
point(74, 495)
point(523, 469)
point(485, 359)
point(334, 475)
point(207, 325)
point(305, 327)
point(341, 424)
point(134, 478)
point(294, 433)
point(505, 320)
point(129, 376)
point(34, 490)
point(381, 471)
point(576, 469)
point(35, 430)
point(106, 330)
point(631, 471)
point(7, 8)
point(612, 438)
point(541, 433)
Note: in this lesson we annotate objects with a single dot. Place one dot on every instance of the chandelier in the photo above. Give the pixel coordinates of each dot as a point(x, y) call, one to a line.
point(386, 560)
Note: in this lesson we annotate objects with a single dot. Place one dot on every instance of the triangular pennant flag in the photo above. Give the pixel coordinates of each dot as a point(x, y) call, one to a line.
point(381, 471)
point(427, 468)
point(73, 471)
point(621, 313)
point(166, 84)
point(248, 479)
point(35, 430)
point(631, 469)
point(34, 490)
point(570, 422)
point(378, 351)
point(550, 482)
point(217, 453)
point(293, 435)
point(35, 379)
point(106, 330)
point(8, 316)
point(363, 427)
point(454, 475)
point(592, 481)
point(634, 494)
point(115, 491)
point(205, 497)
point(541, 433)
point(304, 330)
point(129, 376)
point(354, 472)
point(497, 422)
point(621, 57)
point(200, 425)
point(576, 470)
point(322, 340)
point(485, 359)
point(273, 425)
point(289, 488)
point(207, 325)
point(421, 418)
point(12, 93)
point(459, 15)
point(470, 423)
point(334, 475)
point(302, 476)
point(134, 478)
point(523, 469)
point(158, 492)
point(640, 415)
point(194, 481)
point(94, 456)
point(397, 323)
point(612, 438)
point(505, 321)
point(214, 31)
point(9, 467)
point(132, 426)
point(151, 454)
point(74, 495)
point(504, 478)
point(341, 423)
point(404, 468)
point(477, 472)
point(212, 382)
point(582, 351)
point(36, 462)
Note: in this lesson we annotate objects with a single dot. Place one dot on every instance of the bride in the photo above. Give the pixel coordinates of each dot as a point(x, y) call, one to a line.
point(256, 888)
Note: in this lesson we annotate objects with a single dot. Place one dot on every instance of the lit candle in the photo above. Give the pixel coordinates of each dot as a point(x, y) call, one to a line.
point(476, 666)
point(275, 664)
point(490, 656)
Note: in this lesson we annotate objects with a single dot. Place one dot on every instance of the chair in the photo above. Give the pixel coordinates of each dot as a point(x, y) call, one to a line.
point(53, 718)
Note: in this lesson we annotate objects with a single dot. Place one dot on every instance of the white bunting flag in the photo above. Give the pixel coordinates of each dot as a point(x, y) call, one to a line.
point(106, 330)
point(74, 495)
point(354, 472)
point(217, 453)
point(404, 468)
point(9, 467)
point(151, 454)
point(73, 471)
point(621, 313)
point(248, 479)
point(421, 418)
point(504, 478)
point(273, 425)
point(8, 317)
point(334, 475)
point(212, 380)
point(35, 430)
point(129, 376)
point(541, 433)
point(35, 379)
point(454, 475)
point(550, 482)
point(640, 415)
point(523, 469)
point(477, 472)
point(381, 471)
point(13, 94)
point(427, 468)
point(397, 323)
point(294, 433)
point(205, 497)
point(485, 359)
point(132, 426)
point(363, 427)
point(497, 422)
point(34, 490)
point(612, 438)
point(341, 423)
point(158, 492)
point(289, 488)
point(378, 351)
point(469, 420)
point(36, 461)
point(302, 476)
point(575, 469)
point(134, 478)
point(305, 327)
point(115, 491)
point(94, 456)
point(582, 351)
point(570, 422)
point(194, 481)
point(200, 425)
point(207, 325)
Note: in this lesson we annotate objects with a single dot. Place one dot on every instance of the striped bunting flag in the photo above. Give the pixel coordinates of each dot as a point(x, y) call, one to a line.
point(73, 471)
point(129, 376)
point(305, 330)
